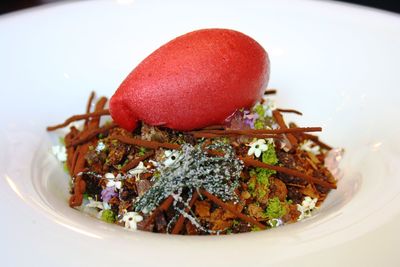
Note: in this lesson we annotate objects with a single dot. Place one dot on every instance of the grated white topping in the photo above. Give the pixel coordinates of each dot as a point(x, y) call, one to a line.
point(194, 169)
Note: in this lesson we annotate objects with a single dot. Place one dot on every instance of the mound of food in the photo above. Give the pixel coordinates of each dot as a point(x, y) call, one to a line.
point(253, 173)
point(194, 145)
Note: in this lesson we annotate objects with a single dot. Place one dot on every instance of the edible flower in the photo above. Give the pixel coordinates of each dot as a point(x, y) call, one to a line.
point(112, 182)
point(257, 147)
point(94, 204)
point(269, 106)
point(100, 147)
point(97, 204)
point(250, 118)
point(109, 176)
point(139, 169)
point(131, 219)
point(309, 146)
point(306, 207)
point(60, 152)
point(108, 193)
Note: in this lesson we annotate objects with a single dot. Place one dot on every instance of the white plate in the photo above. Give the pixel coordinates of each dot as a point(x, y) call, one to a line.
point(337, 63)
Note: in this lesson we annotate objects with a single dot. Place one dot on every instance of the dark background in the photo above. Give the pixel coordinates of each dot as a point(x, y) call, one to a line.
point(12, 5)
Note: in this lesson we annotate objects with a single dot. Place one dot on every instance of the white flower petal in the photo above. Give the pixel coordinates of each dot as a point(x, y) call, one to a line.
point(118, 185)
point(260, 142)
point(131, 219)
point(100, 147)
point(94, 204)
point(110, 183)
point(138, 218)
point(133, 225)
point(309, 146)
point(251, 151)
point(306, 207)
point(263, 147)
point(139, 169)
point(109, 175)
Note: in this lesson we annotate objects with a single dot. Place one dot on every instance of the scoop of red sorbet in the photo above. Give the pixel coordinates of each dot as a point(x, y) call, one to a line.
point(198, 79)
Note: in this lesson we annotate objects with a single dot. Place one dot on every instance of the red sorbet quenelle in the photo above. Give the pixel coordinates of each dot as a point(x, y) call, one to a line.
point(196, 80)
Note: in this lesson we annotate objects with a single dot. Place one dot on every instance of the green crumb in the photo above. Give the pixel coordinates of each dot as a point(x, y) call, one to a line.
point(255, 229)
point(235, 223)
point(225, 140)
point(262, 176)
point(259, 183)
point(252, 183)
point(261, 192)
point(142, 151)
point(108, 216)
point(259, 109)
point(275, 209)
point(259, 124)
point(269, 156)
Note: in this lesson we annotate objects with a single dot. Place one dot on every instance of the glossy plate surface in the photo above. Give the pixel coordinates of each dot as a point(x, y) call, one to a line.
point(336, 63)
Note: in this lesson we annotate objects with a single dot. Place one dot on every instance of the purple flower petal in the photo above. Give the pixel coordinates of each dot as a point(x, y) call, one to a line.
point(108, 193)
point(250, 118)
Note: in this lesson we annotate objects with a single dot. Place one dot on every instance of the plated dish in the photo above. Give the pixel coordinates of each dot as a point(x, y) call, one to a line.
point(335, 90)
point(195, 145)
point(251, 173)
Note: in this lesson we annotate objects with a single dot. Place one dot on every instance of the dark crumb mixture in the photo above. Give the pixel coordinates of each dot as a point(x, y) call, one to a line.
point(251, 174)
